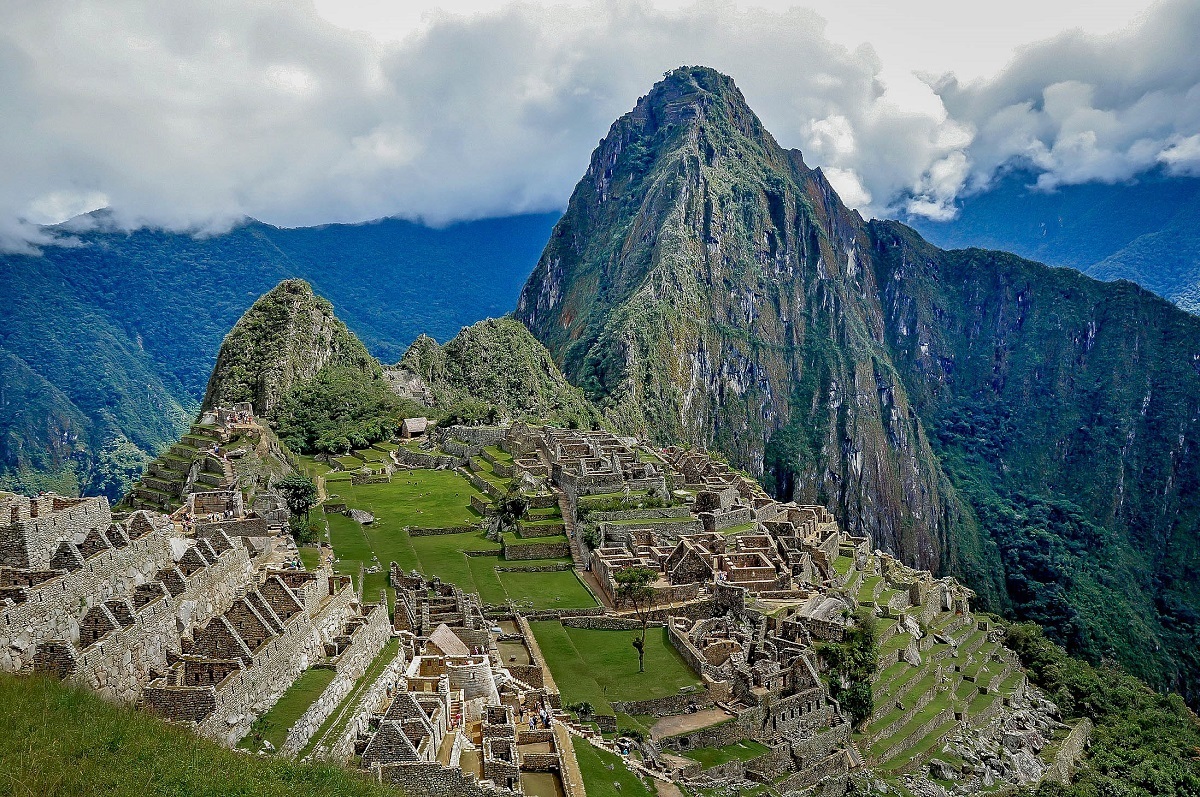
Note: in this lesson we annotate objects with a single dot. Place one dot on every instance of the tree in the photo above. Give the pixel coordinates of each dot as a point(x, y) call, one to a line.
point(633, 587)
point(852, 664)
point(299, 493)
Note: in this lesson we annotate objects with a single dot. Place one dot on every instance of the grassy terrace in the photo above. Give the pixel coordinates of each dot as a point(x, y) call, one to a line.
point(745, 750)
point(60, 741)
point(605, 775)
point(275, 724)
point(599, 666)
point(333, 725)
point(310, 556)
point(440, 499)
point(499, 454)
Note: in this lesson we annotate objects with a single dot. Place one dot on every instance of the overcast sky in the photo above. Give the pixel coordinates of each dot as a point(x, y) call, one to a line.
point(192, 115)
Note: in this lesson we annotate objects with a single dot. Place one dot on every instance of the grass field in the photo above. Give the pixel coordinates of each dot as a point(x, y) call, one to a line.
point(600, 666)
point(61, 741)
point(438, 499)
point(310, 556)
point(275, 724)
point(745, 750)
point(605, 775)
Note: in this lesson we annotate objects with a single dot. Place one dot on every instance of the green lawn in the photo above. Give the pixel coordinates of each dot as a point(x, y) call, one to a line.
point(310, 556)
point(599, 666)
point(605, 775)
point(63, 741)
point(275, 724)
point(745, 750)
point(499, 455)
point(439, 499)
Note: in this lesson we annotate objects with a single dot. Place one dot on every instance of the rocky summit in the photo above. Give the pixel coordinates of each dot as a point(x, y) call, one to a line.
point(1027, 428)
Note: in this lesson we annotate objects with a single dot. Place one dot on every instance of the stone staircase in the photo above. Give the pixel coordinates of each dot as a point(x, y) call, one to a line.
point(568, 515)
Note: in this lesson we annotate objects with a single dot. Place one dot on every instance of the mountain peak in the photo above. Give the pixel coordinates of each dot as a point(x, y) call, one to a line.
point(287, 336)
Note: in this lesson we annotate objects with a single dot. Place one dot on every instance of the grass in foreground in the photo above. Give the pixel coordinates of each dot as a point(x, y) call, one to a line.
point(61, 741)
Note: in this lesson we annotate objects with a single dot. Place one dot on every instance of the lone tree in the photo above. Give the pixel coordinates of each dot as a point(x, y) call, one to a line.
point(633, 587)
point(299, 493)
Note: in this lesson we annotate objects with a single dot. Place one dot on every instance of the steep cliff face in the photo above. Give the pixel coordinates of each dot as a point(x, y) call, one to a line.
point(285, 338)
point(1027, 428)
point(706, 286)
point(1067, 411)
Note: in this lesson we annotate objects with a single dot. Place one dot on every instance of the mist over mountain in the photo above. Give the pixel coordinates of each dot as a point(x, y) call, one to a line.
point(1146, 230)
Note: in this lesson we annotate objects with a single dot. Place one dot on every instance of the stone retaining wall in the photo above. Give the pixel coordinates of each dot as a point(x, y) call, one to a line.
point(1068, 755)
point(537, 550)
point(665, 706)
point(366, 644)
point(423, 531)
point(341, 749)
point(246, 695)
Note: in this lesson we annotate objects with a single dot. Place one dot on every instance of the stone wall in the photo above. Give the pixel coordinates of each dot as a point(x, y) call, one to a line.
point(32, 528)
point(246, 527)
point(1069, 753)
point(664, 706)
point(424, 531)
point(54, 608)
point(120, 664)
point(537, 550)
point(429, 461)
point(434, 780)
point(250, 692)
point(367, 642)
point(372, 701)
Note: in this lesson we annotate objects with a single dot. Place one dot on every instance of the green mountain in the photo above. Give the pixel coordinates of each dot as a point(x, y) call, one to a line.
point(1029, 429)
point(1145, 231)
point(286, 338)
point(106, 345)
point(496, 363)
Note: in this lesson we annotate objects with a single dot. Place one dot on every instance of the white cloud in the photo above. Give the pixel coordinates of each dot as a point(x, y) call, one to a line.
point(191, 115)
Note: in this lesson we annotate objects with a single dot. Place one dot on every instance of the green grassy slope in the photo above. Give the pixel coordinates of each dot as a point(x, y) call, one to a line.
point(65, 742)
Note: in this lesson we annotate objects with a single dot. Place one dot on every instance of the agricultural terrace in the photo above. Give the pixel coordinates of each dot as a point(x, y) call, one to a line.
point(439, 499)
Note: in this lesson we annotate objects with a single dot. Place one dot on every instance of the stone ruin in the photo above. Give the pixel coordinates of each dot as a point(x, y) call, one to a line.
point(198, 627)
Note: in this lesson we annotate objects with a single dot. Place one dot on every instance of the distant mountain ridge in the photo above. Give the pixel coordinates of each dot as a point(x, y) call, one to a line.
point(1030, 429)
point(1146, 231)
point(107, 346)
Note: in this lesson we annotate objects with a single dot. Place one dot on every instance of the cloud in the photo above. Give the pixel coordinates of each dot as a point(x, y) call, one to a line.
point(192, 115)
point(1083, 108)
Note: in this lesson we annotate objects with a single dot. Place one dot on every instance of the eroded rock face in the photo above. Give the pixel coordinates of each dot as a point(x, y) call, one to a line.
point(705, 286)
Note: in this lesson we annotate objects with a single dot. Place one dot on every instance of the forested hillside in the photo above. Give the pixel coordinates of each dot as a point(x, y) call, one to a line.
point(1146, 231)
point(107, 345)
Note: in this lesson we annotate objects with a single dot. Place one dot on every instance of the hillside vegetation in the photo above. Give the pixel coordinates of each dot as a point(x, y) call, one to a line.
point(62, 741)
point(497, 368)
point(1030, 429)
point(107, 345)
